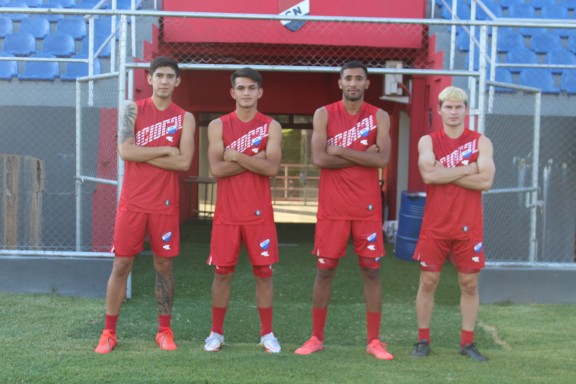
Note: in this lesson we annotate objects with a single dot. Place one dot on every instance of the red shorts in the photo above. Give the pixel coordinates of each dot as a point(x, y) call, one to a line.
point(468, 255)
point(130, 233)
point(260, 240)
point(331, 238)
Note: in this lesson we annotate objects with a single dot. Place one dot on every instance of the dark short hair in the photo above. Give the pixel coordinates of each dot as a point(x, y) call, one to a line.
point(246, 72)
point(164, 61)
point(354, 64)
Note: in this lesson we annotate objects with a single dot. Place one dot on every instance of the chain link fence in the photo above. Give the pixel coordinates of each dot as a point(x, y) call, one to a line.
point(530, 213)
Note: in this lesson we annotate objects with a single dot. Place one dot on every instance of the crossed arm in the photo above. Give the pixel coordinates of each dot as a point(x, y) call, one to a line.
point(478, 175)
point(329, 156)
point(228, 162)
point(166, 157)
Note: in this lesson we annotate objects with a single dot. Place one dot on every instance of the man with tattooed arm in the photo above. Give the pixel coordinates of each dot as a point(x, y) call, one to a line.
point(156, 142)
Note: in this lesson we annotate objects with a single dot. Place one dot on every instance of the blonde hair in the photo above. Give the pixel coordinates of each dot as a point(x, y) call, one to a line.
point(453, 94)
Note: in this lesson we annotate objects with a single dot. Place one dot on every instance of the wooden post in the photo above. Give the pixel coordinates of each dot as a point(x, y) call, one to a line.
point(9, 172)
point(21, 185)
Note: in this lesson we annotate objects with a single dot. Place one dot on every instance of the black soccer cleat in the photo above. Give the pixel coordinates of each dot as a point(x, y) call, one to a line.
point(421, 348)
point(472, 352)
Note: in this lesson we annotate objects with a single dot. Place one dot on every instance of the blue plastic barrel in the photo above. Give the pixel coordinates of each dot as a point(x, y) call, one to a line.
point(409, 223)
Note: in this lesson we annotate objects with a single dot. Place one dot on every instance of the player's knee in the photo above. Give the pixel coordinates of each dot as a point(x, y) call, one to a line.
point(325, 263)
point(262, 271)
point(369, 263)
point(228, 270)
point(425, 267)
point(468, 271)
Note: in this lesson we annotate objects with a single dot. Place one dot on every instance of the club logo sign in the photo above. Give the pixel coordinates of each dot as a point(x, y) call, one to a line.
point(293, 8)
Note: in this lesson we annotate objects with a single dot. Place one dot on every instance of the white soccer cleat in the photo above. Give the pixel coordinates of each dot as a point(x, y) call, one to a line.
point(214, 342)
point(270, 343)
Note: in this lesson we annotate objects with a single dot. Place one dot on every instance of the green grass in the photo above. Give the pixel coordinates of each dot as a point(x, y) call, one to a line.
point(50, 339)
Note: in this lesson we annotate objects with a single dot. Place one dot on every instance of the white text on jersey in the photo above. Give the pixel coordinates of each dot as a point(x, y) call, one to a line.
point(158, 130)
point(346, 138)
point(245, 142)
point(462, 153)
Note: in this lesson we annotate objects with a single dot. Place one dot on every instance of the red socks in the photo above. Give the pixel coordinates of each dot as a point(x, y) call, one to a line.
point(318, 322)
point(110, 322)
point(265, 320)
point(164, 322)
point(467, 337)
point(373, 325)
point(218, 315)
point(424, 334)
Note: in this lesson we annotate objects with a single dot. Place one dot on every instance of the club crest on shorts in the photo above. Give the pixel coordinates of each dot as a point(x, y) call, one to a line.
point(372, 237)
point(293, 8)
point(478, 247)
point(167, 236)
point(265, 244)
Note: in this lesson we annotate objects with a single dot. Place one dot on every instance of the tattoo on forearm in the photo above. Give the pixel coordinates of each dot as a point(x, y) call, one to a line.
point(127, 130)
point(164, 293)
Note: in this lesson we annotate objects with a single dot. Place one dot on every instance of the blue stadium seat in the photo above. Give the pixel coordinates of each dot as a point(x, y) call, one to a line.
point(508, 41)
point(90, 4)
point(32, 3)
point(538, 4)
point(38, 26)
point(53, 18)
point(503, 75)
point(560, 57)
point(75, 70)
point(59, 44)
point(6, 26)
point(508, 3)
point(74, 26)
point(503, 30)
point(569, 4)
point(476, 62)
point(20, 44)
point(462, 12)
point(520, 56)
point(65, 3)
point(98, 41)
point(565, 32)
point(16, 16)
point(568, 81)
point(126, 4)
point(554, 11)
point(524, 11)
point(571, 44)
point(40, 70)
point(545, 42)
point(103, 25)
point(463, 42)
point(539, 78)
point(8, 69)
point(496, 9)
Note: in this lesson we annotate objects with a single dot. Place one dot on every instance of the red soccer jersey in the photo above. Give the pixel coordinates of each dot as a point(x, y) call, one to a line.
point(453, 212)
point(244, 198)
point(350, 193)
point(147, 188)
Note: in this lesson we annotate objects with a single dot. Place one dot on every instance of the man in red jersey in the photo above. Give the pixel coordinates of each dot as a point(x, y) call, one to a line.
point(156, 141)
point(244, 151)
point(456, 165)
point(350, 143)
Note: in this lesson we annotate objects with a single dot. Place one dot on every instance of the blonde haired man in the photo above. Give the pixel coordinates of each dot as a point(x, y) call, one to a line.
point(456, 165)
